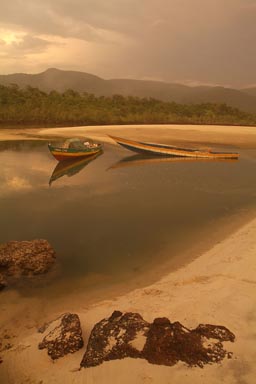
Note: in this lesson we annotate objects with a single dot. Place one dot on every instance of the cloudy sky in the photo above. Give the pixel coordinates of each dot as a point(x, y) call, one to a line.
point(187, 41)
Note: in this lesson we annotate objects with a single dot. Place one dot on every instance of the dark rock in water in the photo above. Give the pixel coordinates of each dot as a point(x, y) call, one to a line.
point(162, 342)
point(2, 282)
point(119, 336)
point(26, 257)
point(65, 336)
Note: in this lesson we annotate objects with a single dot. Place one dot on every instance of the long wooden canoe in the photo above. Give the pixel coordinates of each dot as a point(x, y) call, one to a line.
point(170, 150)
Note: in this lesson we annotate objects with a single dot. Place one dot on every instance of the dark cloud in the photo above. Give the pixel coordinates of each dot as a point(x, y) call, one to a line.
point(209, 41)
point(30, 44)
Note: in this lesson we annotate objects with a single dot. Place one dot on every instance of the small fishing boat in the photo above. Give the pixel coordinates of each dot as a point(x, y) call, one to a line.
point(170, 150)
point(74, 148)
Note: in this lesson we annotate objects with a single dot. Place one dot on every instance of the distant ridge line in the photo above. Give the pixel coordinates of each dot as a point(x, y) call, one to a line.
point(61, 80)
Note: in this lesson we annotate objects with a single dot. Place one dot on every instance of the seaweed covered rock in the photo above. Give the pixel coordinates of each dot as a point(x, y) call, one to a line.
point(162, 342)
point(167, 343)
point(218, 332)
point(26, 257)
point(64, 336)
point(119, 336)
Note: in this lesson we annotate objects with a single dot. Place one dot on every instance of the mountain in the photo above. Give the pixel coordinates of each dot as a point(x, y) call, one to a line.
point(59, 80)
point(250, 91)
point(55, 79)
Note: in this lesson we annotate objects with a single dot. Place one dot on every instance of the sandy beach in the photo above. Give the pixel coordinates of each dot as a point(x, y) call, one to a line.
point(244, 137)
point(217, 287)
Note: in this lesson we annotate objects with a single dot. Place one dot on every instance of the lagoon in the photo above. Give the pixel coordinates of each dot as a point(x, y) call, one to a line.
point(120, 217)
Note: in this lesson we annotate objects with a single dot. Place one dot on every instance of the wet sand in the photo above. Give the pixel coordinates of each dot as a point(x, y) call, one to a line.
point(217, 287)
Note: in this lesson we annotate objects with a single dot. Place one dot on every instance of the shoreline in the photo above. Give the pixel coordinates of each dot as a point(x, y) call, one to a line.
point(218, 287)
point(63, 126)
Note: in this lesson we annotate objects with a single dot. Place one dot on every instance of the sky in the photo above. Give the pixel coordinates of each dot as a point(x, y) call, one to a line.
point(186, 41)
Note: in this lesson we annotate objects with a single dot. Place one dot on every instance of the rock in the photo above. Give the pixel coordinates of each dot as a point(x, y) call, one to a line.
point(64, 336)
point(3, 283)
point(26, 257)
point(119, 336)
point(215, 332)
point(167, 343)
point(162, 342)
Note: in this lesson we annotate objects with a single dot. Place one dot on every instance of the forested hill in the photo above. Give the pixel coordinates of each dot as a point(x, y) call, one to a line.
point(33, 107)
point(59, 80)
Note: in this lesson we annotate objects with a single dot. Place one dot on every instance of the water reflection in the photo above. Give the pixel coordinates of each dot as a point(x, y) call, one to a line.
point(145, 160)
point(71, 167)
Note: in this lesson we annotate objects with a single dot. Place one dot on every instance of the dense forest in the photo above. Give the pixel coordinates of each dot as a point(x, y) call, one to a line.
point(33, 107)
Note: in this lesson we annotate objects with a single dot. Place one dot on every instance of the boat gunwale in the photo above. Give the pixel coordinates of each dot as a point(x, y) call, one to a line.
point(65, 154)
point(75, 150)
point(166, 146)
point(175, 151)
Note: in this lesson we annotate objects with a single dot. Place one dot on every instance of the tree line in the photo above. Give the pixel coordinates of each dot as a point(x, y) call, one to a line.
point(33, 107)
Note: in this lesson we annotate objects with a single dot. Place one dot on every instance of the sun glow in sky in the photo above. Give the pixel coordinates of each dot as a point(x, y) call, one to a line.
point(10, 37)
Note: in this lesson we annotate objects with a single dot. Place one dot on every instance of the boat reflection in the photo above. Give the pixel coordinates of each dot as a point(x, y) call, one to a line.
point(137, 160)
point(71, 167)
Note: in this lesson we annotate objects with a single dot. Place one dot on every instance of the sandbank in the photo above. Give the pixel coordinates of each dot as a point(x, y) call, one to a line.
point(240, 136)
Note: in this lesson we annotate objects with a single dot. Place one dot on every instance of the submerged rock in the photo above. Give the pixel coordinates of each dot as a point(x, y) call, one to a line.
point(3, 283)
point(26, 257)
point(64, 336)
point(162, 342)
point(119, 336)
point(6, 342)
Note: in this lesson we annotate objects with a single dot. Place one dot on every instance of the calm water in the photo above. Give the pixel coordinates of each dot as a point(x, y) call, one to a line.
point(109, 218)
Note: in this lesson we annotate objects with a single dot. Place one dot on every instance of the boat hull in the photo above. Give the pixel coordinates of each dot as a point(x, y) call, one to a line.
point(61, 154)
point(71, 167)
point(166, 150)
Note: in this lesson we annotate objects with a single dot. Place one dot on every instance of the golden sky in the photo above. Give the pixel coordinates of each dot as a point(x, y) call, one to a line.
point(187, 41)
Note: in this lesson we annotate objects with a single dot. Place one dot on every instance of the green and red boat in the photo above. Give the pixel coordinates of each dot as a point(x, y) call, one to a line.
point(75, 148)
